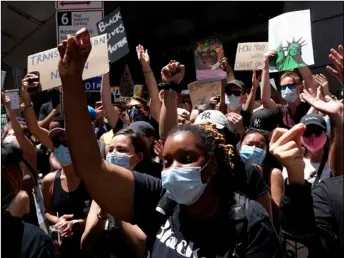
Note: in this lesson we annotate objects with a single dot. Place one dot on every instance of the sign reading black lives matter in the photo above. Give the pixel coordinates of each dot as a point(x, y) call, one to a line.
point(113, 26)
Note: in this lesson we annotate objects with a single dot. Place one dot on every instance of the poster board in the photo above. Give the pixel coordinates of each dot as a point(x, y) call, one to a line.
point(116, 93)
point(46, 63)
point(14, 97)
point(113, 26)
point(290, 35)
point(203, 92)
point(126, 84)
point(250, 56)
point(208, 55)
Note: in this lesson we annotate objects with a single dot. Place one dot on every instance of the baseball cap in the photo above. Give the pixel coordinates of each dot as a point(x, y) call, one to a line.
point(183, 114)
point(264, 119)
point(56, 132)
point(314, 119)
point(214, 117)
point(237, 83)
point(142, 127)
point(92, 112)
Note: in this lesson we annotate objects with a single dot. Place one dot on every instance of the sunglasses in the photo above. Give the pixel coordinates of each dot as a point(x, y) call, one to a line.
point(235, 93)
point(57, 143)
point(316, 130)
point(289, 86)
point(137, 106)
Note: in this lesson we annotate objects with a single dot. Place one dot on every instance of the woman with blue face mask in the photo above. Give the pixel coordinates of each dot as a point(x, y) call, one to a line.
point(253, 148)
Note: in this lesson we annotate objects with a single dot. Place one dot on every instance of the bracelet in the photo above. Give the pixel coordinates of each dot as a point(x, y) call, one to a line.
point(27, 105)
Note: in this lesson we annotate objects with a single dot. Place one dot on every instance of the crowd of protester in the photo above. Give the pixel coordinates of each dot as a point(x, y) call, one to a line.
point(234, 177)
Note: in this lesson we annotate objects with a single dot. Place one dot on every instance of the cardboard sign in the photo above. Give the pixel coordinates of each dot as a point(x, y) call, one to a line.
point(250, 56)
point(290, 34)
point(208, 55)
point(126, 85)
point(46, 63)
point(200, 93)
point(116, 93)
point(14, 96)
point(138, 90)
point(113, 26)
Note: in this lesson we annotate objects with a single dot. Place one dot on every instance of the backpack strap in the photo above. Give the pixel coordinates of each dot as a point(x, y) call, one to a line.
point(238, 211)
point(323, 162)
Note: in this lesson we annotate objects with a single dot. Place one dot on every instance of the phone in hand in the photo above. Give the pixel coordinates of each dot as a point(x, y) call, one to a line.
point(99, 104)
point(34, 89)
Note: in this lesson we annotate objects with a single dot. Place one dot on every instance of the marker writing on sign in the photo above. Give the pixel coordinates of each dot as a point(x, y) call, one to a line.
point(102, 25)
point(119, 44)
point(118, 30)
point(56, 75)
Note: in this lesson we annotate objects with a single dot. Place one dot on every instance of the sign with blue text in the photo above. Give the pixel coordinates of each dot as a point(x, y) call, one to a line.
point(93, 84)
point(113, 26)
point(46, 63)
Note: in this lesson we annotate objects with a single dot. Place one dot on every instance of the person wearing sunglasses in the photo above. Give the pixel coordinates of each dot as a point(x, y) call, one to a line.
point(291, 113)
point(234, 98)
point(316, 144)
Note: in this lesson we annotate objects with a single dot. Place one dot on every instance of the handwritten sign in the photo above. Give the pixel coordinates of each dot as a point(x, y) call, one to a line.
point(113, 26)
point(14, 96)
point(250, 56)
point(200, 93)
point(46, 63)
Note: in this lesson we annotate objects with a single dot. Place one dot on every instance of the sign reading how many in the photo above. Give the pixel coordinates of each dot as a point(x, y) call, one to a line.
point(250, 56)
point(113, 26)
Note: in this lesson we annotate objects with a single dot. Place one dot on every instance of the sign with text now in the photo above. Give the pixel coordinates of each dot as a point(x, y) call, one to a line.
point(113, 26)
point(46, 63)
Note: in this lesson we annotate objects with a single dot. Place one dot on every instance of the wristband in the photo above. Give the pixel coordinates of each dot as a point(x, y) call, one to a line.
point(26, 105)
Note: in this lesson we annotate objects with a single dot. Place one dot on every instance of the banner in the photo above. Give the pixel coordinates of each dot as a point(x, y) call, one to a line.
point(291, 36)
point(250, 56)
point(46, 63)
point(113, 26)
point(200, 93)
point(208, 55)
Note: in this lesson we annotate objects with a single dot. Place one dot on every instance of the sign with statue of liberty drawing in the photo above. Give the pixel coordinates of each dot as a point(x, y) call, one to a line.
point(290, 35)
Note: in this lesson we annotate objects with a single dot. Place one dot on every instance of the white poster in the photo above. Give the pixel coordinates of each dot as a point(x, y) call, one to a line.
point(14, 97)
point(290, 35)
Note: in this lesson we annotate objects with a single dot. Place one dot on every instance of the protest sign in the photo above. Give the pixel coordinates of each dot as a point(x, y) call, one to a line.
point(208, 55)
point(200, 93)
point(46, 63)
point(291, 36)
point(14, 97)
point(113, 26)
point(126, 84)
point(250, 56)
point(138, 90)
point(116, 93)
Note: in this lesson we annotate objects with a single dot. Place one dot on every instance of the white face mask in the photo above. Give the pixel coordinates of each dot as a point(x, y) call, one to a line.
point(232, 101)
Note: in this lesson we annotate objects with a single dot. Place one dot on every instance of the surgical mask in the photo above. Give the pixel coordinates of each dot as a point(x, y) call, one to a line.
point(183, 184)
point(314, 143)
point(232, 101)
point(252, 154)
point(62, 155)
point(289, 95)
point(119, 159)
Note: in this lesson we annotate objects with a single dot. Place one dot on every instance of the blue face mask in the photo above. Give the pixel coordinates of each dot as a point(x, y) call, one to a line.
point(62, 155)
point(252, 154)
point(289, 95)
point(232, 101)
point(119, 159)
point(183, 184)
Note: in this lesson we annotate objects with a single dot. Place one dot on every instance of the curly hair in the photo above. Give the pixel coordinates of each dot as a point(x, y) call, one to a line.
point(215, 145)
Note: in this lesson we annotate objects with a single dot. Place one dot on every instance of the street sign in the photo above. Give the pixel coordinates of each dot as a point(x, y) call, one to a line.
point(78, 5)
point(70, 22)
point(93, 84)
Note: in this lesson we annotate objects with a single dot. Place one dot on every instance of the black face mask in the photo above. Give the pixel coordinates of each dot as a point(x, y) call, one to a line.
point(136, 115)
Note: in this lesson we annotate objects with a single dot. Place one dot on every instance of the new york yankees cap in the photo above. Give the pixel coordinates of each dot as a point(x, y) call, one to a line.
point(214, 117)
point(264, 119)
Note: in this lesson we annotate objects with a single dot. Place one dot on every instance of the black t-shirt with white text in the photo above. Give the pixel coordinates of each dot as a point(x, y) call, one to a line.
point(180, 236)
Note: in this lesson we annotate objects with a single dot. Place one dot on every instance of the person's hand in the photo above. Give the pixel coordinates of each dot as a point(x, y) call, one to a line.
point(255, 80)
point(323, 82)
point(158, 148)
point(74, 53)
point(236, 121)
point(268, 55)
point(286, 146)
point(143, 57)
point(6, 101)
point(330, 107)
point(65, 228)
point(100, 112)
point(337, 59)
point(173, 72)
point(29, 81)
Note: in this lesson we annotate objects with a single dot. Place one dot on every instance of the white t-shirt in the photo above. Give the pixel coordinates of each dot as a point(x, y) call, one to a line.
point(311, 170)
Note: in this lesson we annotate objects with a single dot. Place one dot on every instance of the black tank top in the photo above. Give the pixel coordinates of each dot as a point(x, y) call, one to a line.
point(77, 202)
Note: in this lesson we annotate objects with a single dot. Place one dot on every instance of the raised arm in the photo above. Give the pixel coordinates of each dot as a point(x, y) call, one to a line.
point(168, 116)
point(29, 150)
point(111, 186)
point(105, 95)
point(337, 59)
point(307, 75)
point(265, 88)
point(155, 104)
point(44, 123)
point(30, 117)
point(252, 96)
